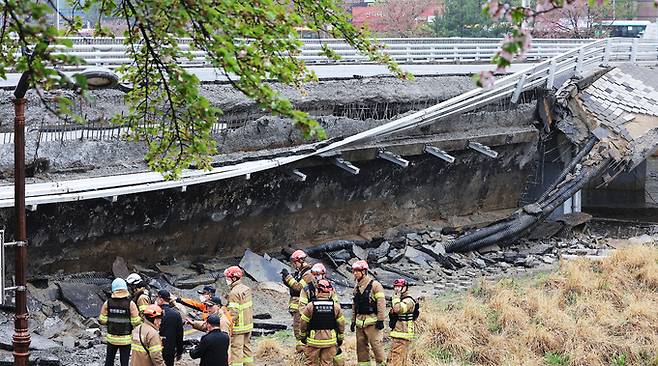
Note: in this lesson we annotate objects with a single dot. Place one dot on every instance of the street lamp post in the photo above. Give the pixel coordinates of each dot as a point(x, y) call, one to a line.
point(97, 78)
point(21, 338)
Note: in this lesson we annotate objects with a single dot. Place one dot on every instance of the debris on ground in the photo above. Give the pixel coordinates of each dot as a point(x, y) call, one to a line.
point(64, 308)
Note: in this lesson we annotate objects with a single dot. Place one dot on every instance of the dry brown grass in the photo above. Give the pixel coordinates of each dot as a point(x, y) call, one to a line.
point(586, 313)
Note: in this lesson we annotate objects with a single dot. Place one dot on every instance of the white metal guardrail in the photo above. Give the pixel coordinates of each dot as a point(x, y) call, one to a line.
point(574, 62)
point(111, 52)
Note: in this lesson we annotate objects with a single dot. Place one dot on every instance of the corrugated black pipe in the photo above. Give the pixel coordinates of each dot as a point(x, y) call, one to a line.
point(572, 164)
point(478, 237)
point(525, 221)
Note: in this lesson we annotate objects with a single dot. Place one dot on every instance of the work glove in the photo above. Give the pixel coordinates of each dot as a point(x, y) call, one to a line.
point(353, 327)
point(339, 342)
point(284, 274)
point(379, 325)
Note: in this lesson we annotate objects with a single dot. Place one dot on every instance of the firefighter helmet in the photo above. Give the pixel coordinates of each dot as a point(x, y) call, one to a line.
point(324, 286)
point(318, 268)
point(233, 272)
point(134, 279)
point(153, 311)
point(360, 266)
point(298, 256)
point(400, 282)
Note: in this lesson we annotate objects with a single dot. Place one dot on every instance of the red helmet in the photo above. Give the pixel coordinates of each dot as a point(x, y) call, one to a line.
point(401, 282)
point(360, 266)
point(298, 256)
point(233, 272)
point(324, 286)
point(318, 268)
point(153, 311)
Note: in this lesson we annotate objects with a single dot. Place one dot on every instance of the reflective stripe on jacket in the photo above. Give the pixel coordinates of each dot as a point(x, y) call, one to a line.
point(296, 284)
point(377, 294)
point(404, 329)
point(321, 338)
point(105, 319)
point(146, 346)
point(240, 307)
point(305, 297)
point(225, 322)
point(142, 299)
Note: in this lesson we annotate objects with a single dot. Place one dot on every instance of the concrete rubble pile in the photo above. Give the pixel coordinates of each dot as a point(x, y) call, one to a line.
point(64, 308)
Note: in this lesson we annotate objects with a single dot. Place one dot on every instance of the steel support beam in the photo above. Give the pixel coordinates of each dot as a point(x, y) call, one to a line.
point(297, 175)
point(485, 150)
point(519, 89)
point(346, 165)
point(393, 158)
point(112, 199)
point(440, 154)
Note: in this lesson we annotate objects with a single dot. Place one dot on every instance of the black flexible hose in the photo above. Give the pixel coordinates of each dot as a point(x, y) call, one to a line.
point(524, 221)
point(481, 237)
point(572, 164)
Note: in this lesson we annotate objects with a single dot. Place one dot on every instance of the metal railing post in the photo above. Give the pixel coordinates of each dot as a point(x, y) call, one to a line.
point(634, 47)
point(550, 81)
point(579, 62)
point(607, 52)
point(519, 89)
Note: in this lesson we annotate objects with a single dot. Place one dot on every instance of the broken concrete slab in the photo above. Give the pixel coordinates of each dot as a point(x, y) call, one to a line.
point(150, 272)
point(37, 358)
point(272, 286)
point(194, 281)
point(37, 342)
point(270, 326)
point(435, 251)
point(414, 237)
point(545, 230)
point(120, 268)
point(341, 256)
point(538, 250)
point(84, 297)
point(260, 269)
point(360, 252)
point(574, 219)
point(395, 255)
point(402, 274)
point(380, 252)
point(411, 252)
point(489, 249)
point(386, 278)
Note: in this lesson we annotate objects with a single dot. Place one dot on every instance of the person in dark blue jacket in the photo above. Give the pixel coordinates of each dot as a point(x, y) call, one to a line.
point(171, 329)
point(213, 348)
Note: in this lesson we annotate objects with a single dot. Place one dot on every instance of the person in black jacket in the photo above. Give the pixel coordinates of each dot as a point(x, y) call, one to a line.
point(171, 329)
point(213, 348)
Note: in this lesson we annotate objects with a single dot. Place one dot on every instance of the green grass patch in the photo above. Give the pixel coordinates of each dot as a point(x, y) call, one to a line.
point(556, 359)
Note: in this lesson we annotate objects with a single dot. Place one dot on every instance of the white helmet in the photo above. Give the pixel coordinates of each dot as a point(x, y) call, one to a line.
point(134, 279)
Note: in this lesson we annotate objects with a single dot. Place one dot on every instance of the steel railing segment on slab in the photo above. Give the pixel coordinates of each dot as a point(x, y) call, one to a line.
point(113, 52)
point(574, 62)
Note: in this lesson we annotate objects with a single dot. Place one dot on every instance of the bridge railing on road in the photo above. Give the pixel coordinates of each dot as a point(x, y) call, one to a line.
point(608, 51)
point(112, 52)
point(586, 58)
